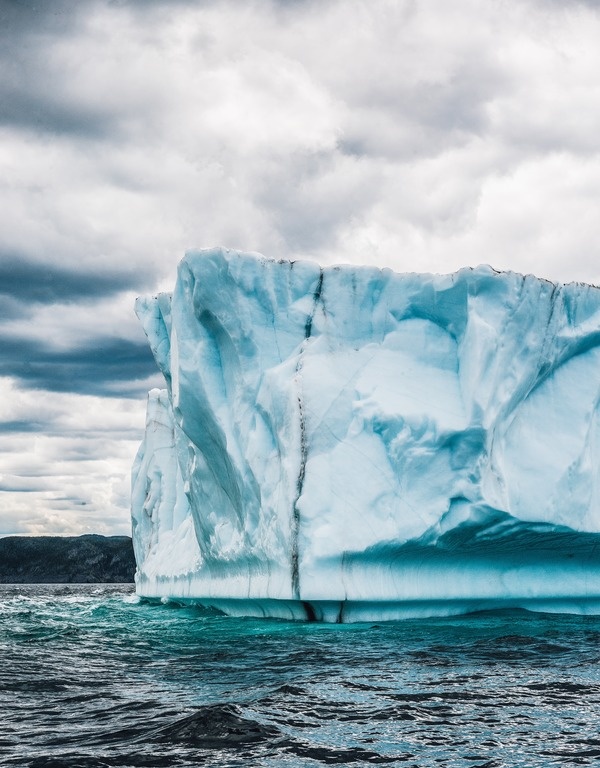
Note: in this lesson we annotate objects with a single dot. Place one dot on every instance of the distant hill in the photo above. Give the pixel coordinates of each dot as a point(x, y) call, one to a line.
point(66, 559)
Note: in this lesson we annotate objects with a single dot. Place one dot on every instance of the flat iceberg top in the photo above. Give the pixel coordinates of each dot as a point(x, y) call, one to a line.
point(349, 434)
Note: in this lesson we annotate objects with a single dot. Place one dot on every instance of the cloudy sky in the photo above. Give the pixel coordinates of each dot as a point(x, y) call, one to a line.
point(424, 136)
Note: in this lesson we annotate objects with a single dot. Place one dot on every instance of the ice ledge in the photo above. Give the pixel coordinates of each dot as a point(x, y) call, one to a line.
point(552, 572)
point(351, 611)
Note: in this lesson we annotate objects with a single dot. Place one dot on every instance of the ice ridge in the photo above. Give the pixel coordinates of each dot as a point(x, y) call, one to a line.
point(348, 443)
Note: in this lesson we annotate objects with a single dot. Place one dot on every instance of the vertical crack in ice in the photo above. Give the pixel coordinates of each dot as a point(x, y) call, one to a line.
point(309, 611)
point(295, 558)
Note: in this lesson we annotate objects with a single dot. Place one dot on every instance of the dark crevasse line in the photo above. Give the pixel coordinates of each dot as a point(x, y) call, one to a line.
point(295, 564)
point(295, 557)
point(316, 299)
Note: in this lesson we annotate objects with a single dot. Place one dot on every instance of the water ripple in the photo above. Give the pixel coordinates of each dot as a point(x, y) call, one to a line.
point(92, 677)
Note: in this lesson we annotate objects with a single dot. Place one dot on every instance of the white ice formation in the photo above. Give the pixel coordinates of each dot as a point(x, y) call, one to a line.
point(350, 444)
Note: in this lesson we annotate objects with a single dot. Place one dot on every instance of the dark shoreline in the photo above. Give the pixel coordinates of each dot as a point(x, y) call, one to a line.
point(87, 559)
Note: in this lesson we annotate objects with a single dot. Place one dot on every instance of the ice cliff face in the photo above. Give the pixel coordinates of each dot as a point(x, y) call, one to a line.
point(351, 443)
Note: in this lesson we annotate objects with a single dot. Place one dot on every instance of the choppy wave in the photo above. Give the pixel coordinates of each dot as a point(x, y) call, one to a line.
point(91, 677)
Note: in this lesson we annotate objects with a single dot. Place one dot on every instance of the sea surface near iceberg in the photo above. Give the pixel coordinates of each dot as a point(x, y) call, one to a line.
point(90, 676)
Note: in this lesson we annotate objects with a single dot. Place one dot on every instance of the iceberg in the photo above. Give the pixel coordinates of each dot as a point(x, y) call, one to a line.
point(354, 444)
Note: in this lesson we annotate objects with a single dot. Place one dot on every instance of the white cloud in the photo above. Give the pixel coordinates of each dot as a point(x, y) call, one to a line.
point(72, 467)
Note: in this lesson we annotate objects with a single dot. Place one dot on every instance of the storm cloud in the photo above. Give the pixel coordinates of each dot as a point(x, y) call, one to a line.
point(105, 367)
point(49, 283)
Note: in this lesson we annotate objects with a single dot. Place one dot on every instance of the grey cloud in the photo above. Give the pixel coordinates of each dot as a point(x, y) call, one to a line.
point(21, 17)
point(143, 5)
point(404, 121)
point(105, 367)
point(27, 29)
point(564, 5)
point(25, 484)
point(75, 499)
point(313, 196)
point(18, 487)
point(288, 193)
point(34, 90)
point(13, 524)
point(53, 428)
point(21, 425)
point(10, 307)
point(24, 281)
point(36, 108)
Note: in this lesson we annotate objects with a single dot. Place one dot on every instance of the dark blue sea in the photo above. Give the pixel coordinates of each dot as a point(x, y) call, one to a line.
point(92, 677)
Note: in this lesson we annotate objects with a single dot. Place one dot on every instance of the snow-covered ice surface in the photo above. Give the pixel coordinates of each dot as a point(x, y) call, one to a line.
point(350, 443)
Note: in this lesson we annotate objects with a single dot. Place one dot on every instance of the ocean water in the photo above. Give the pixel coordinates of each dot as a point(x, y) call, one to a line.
point(92, 677)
